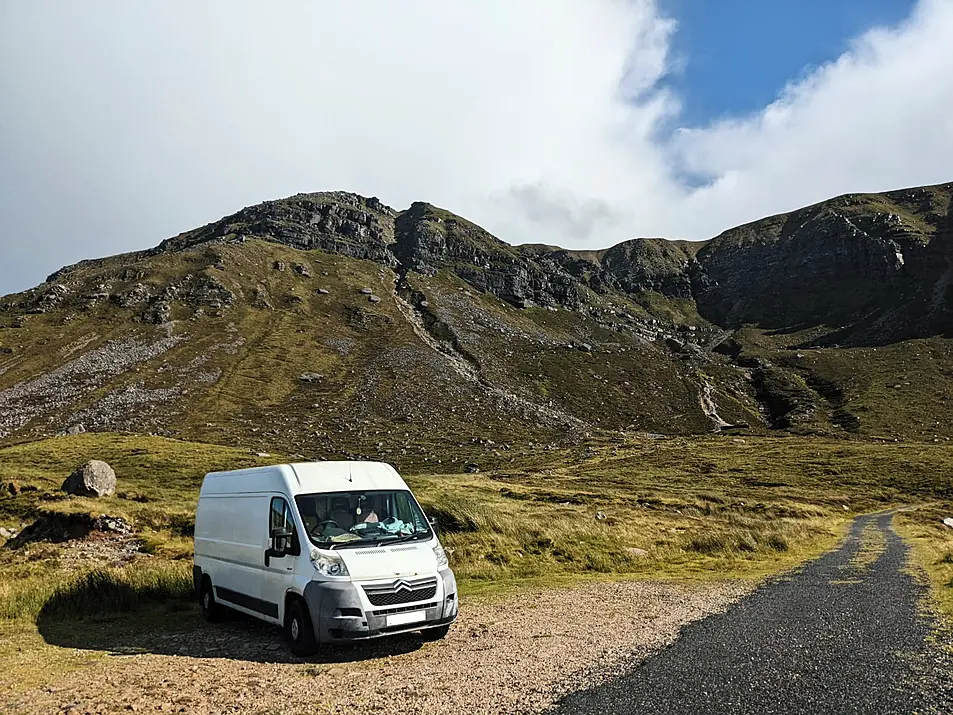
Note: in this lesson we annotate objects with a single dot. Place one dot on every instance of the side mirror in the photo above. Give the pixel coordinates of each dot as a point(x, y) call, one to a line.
point(281, 544)
point(432, 520)
point(280, 541)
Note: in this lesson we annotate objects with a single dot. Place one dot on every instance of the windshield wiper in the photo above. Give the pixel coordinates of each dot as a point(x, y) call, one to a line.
point(399, 539)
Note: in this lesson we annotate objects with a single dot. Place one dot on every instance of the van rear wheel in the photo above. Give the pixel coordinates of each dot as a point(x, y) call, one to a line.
point(211, 610)
point(299, 629)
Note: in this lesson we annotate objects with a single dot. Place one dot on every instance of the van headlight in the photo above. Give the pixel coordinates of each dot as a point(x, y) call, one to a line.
point(440, 554)
point(328, 564)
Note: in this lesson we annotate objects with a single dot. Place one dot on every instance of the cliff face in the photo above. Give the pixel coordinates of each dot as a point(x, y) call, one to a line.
point(876, 266)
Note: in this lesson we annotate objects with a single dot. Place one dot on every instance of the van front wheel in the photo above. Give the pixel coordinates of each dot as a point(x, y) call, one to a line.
point(435, 634)
point(299, 630)
point(211, 610)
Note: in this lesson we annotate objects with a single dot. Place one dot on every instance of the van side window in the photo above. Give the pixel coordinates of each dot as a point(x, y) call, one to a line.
point(280, 518)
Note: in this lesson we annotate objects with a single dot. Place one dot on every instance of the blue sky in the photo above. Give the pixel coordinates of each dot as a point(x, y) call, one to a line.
point(578, 123)
point(735, 56)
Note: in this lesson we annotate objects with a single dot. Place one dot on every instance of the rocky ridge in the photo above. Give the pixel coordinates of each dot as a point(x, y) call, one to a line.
point(879, 259)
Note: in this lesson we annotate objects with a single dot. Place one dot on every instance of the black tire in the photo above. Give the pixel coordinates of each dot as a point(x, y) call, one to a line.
point(211, 609)
point(435, 634)
point(299, 630)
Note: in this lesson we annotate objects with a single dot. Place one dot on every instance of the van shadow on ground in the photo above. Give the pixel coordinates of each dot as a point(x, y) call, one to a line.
point(182, 632)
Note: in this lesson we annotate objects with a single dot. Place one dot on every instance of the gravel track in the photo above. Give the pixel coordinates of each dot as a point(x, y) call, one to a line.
point(515, 655)
point(846, 634)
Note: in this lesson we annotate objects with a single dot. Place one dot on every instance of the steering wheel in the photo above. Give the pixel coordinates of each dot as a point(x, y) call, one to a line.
point(319, 527)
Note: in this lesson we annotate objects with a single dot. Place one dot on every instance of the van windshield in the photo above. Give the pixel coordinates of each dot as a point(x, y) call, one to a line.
point(341, 519)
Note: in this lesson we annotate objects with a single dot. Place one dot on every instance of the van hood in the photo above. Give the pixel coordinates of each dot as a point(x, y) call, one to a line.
point(387, 562)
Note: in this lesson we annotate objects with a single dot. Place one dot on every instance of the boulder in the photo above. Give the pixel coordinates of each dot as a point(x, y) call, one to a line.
point(93, 479)
point(311, 377)
point(948, 522)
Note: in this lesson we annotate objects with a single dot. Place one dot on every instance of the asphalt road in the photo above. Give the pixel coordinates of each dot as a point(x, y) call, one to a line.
point(838, 636)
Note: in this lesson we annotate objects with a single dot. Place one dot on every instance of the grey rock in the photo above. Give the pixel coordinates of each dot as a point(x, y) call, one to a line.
point(278, 265)
point(7, 533)
point(302, 270)
point(365, 291)
point(374, 299)
point(93, 479)
point(585, 347)
point(159, 313)
point(310, 377)
point(948, 522)
point(261, 298)
point(136, 295)
point(323, 291)
point(112, 524)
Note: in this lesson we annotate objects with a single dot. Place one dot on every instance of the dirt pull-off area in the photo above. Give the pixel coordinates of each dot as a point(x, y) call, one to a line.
point(513, 655)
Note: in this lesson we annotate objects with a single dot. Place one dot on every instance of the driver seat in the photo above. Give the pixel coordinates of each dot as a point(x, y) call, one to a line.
point(341, 515)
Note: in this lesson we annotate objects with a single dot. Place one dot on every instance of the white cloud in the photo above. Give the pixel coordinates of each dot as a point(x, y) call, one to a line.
point(877, 118)
point(123, 123)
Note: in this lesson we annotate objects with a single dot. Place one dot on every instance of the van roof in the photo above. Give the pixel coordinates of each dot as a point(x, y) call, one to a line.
point(305, 478)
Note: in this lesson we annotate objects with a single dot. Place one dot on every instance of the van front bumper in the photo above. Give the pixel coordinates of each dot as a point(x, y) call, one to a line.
point(339, 614)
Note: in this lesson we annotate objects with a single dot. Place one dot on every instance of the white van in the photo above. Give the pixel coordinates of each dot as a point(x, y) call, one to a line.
point(332, 551)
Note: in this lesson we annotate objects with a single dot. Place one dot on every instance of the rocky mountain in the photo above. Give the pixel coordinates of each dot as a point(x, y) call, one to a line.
point(330, 324)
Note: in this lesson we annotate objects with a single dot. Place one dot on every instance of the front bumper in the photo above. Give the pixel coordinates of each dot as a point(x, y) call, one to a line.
point(340, 614)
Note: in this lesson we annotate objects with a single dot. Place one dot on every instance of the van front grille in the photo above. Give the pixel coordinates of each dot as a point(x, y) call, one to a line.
point(401, 591)
point(403, 609)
